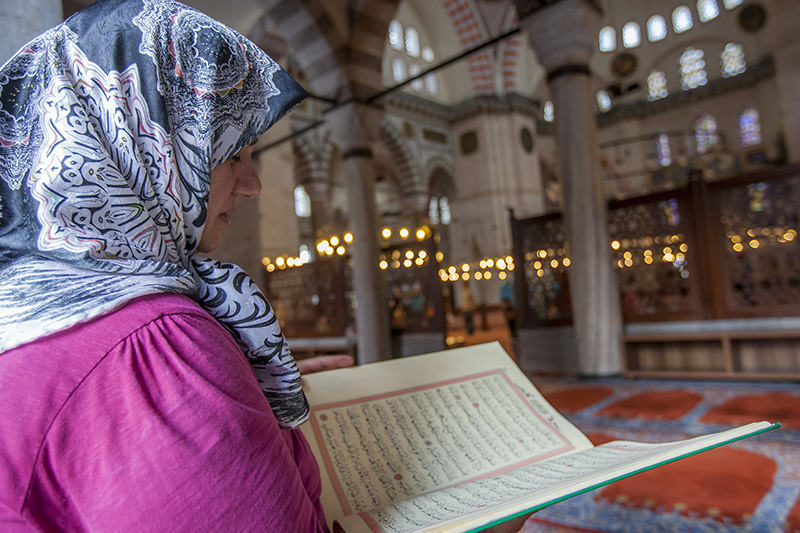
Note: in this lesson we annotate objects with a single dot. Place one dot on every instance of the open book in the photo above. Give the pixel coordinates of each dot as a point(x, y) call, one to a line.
point(458, 441)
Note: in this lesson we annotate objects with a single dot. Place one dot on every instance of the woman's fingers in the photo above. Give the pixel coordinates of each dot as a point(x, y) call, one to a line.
point(323, 362)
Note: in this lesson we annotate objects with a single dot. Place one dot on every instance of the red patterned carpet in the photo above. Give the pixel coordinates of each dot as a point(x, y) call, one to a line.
point(752, 485)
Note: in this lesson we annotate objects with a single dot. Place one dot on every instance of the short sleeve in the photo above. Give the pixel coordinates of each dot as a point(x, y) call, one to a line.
point(170, 432)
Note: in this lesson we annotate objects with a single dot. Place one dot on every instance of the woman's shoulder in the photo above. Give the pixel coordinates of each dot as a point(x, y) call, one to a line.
point(39, 378)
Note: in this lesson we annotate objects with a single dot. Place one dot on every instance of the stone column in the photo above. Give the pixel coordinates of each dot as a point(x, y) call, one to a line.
point(22, 20)
point(355, 126)
point(783, 21)
point(564, 36)
point(318, 189)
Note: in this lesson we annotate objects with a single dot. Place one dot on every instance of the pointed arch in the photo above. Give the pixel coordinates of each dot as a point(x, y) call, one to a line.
point(470, 31)
point(313, 156)
point(339, 52)
point(404, 159)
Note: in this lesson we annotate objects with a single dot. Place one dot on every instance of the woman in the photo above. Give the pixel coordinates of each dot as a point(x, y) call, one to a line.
point(143, 386)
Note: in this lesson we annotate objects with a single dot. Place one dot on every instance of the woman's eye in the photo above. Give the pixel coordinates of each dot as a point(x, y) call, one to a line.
point(236, 158)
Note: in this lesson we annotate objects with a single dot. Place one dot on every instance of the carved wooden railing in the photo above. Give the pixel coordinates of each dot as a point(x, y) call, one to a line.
point(724, 249)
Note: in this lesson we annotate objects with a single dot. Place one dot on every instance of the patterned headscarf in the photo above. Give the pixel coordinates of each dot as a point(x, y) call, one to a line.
point(110, 125)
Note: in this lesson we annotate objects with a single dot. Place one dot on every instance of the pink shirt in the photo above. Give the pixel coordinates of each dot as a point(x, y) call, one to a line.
point(148, 419)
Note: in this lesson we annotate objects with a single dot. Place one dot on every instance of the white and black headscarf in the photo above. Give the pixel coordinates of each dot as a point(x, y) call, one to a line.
point(110, 125)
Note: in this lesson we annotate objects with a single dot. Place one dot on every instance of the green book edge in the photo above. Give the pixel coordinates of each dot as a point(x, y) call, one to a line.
point(776, 425)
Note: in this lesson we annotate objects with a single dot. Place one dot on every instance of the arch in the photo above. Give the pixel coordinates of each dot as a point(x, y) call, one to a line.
point(511, 57)
point(441, 183)
point(439, 164)
point(390, 198)
point(403, 157)
point(313, 156)
point(339, 60)
point(469, 28)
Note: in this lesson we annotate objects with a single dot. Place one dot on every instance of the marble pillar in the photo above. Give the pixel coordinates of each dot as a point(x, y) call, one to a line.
point(354, 127)
point(783, 21)
point(22, 20)
point(318, 187)
point(564, 36)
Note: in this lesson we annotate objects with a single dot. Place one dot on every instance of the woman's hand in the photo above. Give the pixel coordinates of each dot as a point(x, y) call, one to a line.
point(323, 362)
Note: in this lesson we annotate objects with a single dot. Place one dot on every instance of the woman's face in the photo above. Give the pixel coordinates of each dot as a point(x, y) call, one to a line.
point(234, 178)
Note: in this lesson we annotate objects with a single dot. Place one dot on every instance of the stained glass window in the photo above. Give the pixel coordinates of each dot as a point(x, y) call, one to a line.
point(431, 84)
point(305, 253)
point(705, 133)
point(302, 202)
point(663, 151)
point(603, 101)
point(707, 10)
point(757, 197)
point(656, 85)
point(398, 70)
point(693, 69)
point(396, 35)
point(427, 54)
point(444, 209)
point(682, 19)
point(730, 4)
point(412, 42)
point(631, 35)
point(607, 39)
point(433, 210)
point(732, 60)
point(548, 113)
point(672, 212)
point(439, 210)
point(413, 70)
point(656, 28)
point(749, 127)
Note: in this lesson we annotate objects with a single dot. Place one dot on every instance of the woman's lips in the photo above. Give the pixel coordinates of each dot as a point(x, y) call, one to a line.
point(225, 217)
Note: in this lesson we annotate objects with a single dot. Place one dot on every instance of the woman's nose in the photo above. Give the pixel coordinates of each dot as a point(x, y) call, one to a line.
point(248, 183)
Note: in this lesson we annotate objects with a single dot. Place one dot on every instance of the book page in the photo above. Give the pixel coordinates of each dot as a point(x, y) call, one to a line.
point(466, 506)
point(388, 432)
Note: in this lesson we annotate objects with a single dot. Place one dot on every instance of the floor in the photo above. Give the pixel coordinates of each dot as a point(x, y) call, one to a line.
point(749, 486)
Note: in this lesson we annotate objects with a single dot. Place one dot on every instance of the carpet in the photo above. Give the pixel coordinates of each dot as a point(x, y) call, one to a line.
point(749, 486)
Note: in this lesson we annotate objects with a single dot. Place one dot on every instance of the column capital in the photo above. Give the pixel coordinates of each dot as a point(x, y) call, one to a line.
point(316, 184)
point(355, 127)
point(563, 34)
